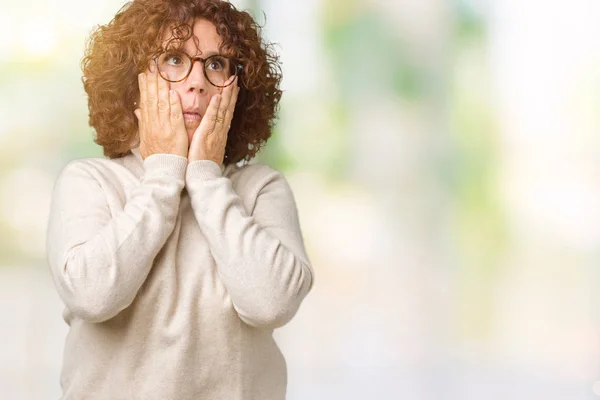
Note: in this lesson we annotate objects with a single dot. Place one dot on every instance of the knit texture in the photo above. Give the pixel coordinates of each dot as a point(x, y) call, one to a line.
point(174, 276)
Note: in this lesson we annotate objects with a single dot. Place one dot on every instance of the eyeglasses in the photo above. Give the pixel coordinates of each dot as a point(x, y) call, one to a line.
point(176, 65)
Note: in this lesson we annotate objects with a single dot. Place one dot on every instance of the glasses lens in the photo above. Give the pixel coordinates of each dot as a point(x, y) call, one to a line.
point(218, 69)
point(173, 65)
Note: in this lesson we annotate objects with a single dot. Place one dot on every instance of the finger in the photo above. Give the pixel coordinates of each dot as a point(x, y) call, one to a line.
point(232, 102)
point(225, 98)
point(163, 101)
point(221, 111)
point(176, 114)
point(210, 117)
point(143, 102)
point(152, 96)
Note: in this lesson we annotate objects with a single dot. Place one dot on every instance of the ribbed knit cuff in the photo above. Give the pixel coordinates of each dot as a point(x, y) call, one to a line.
point(170, 164)
point(203, 170)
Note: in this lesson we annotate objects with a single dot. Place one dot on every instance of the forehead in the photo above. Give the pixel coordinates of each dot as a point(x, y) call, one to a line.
point(205, 38)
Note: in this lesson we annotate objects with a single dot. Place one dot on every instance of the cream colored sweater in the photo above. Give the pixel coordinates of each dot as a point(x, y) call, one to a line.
point(174, 277)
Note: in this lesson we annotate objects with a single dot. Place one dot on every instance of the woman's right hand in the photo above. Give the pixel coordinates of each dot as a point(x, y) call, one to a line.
point(160, 118)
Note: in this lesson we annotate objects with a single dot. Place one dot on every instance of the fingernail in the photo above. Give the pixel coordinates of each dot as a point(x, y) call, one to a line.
point(152, 67)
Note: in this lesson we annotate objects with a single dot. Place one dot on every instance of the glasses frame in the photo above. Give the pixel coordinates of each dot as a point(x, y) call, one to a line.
point(237, 66)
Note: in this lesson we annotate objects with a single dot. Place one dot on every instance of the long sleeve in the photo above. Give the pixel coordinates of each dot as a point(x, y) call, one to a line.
point(99, 261)
point(260, 257)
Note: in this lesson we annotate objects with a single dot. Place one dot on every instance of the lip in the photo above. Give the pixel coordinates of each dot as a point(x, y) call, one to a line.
point(192, 110)
point(191, 115)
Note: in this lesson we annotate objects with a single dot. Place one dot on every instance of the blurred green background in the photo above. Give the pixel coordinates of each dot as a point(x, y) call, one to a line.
point(445, 160)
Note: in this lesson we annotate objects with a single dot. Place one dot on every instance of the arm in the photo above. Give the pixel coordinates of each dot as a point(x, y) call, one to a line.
point(99, 261)
point(260, 257)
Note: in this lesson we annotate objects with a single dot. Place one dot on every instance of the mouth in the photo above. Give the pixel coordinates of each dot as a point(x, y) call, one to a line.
point(191, 116)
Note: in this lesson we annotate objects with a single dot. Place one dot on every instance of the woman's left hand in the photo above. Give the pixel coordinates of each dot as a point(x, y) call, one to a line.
point(210, 138)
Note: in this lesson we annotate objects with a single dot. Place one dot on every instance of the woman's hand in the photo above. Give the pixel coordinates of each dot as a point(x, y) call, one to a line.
point(160, 119)
point(210, 138)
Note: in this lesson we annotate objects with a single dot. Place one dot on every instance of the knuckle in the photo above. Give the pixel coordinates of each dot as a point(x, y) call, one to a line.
point(163, 105)
point(151, 99)
point(175, 114)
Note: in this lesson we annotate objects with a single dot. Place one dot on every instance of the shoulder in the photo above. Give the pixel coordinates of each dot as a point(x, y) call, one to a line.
point(262, 184)
point(81, 167)
point(254, 177)
point(256, 171)
point(97, 171)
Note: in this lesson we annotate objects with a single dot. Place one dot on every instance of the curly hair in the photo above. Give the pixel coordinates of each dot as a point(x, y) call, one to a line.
point(117, 52)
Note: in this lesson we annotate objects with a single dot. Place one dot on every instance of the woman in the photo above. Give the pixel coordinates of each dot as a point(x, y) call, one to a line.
point(174, 262)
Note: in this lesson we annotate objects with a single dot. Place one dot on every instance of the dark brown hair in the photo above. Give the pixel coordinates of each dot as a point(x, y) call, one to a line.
point(117, 52)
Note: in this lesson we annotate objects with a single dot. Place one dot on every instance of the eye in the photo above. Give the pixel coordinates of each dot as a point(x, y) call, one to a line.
point(174, 58)
point(217, 64)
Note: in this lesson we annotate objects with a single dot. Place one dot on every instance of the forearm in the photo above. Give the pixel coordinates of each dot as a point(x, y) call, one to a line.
point(99, 264)
point(266, 279)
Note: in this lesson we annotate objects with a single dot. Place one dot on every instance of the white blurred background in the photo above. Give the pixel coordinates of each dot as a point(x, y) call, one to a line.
point(445, 158)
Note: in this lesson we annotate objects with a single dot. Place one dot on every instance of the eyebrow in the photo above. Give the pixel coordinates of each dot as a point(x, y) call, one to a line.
point(205, 55)
point(209, 53)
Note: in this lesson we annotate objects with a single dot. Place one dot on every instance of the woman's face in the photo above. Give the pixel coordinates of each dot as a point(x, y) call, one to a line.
point(195, 91)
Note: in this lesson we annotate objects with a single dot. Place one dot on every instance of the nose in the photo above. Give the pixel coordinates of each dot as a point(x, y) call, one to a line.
point(196, 81)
